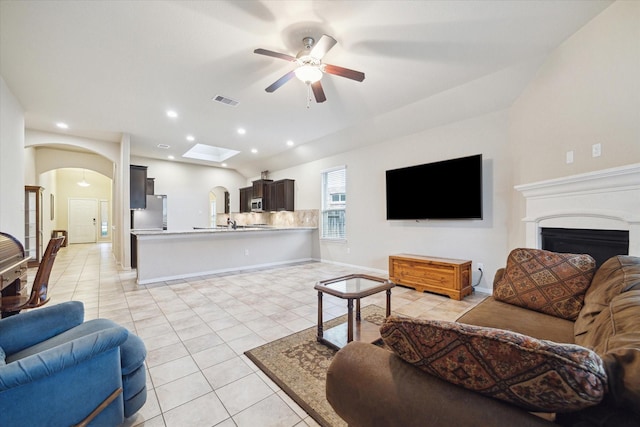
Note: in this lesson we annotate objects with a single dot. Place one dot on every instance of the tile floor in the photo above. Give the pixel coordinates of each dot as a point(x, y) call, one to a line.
point(197, 330)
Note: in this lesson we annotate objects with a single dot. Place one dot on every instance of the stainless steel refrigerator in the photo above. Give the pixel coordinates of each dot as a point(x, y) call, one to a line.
point(154, 217)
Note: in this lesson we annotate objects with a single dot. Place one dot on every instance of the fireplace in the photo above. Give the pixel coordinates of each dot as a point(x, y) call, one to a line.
point(606, 201)
point(600, 244)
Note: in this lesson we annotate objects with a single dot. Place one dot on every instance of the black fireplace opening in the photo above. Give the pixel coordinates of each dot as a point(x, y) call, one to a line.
point(600, 244)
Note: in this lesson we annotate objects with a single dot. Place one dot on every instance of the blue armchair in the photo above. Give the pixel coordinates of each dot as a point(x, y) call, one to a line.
point(56, 370)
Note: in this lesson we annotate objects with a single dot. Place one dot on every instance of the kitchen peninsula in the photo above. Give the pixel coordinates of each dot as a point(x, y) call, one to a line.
point(170, 255)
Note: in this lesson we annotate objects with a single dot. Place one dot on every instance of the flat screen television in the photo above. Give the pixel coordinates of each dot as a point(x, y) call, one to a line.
point(448, 189)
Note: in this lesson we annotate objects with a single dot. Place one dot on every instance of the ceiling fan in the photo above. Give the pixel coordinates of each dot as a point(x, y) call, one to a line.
point(310, 67)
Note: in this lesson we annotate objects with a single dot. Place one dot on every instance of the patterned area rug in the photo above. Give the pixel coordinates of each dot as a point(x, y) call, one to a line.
point(298, 364)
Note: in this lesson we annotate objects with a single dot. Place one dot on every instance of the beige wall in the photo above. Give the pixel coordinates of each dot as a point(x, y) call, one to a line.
point(587, 92)
point(371, 238)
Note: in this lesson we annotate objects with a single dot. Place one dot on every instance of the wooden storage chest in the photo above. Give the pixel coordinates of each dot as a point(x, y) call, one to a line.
point(446, 276)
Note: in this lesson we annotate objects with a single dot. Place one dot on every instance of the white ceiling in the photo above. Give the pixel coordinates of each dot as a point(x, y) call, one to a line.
point(108, 67)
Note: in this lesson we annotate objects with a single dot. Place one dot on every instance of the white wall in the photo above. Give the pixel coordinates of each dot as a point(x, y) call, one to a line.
point(187, 188)
point(587, 92)
point(11, 164)
point(371, 238)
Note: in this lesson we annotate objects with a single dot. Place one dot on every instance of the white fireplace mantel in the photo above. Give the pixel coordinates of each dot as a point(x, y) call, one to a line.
point(603, 200)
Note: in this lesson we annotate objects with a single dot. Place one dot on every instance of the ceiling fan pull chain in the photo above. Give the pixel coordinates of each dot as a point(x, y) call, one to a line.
point(308, 94)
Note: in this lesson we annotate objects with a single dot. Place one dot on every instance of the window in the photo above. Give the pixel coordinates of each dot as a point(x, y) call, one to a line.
point(104, 218)
point(338, 197)
point(334, 198)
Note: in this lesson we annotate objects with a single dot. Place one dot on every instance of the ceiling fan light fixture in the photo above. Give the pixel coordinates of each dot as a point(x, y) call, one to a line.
point(308, 73)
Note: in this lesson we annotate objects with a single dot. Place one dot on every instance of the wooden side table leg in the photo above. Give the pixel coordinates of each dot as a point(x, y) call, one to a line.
point(358, 310)
point(350, 320)
point(388, 302)
point(320, 331)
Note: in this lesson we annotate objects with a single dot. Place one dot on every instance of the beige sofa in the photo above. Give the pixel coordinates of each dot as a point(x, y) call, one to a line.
point(371, 386)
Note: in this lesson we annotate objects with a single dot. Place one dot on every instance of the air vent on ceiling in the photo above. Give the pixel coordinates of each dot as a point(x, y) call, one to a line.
point(224, 100)
point(165, 146)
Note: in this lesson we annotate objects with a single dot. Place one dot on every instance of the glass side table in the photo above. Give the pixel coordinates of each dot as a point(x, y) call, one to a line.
point(351, 287)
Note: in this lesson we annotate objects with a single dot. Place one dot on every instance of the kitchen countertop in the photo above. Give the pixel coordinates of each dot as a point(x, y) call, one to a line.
point(240, 229)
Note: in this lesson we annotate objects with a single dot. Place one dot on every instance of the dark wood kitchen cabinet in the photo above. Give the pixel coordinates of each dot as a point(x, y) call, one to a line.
point(137, 187)
point(151, 186)
point(281, 195)
point(260, 187)
point(245, 199)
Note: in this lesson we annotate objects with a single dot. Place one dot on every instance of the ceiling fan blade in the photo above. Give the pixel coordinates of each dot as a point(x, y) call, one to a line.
point(274, 54)
point(282, 80)
point(318, 92)
point(344, 72)
point(322, 47)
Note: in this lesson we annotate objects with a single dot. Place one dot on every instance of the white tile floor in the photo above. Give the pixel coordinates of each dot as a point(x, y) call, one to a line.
point(197, 330)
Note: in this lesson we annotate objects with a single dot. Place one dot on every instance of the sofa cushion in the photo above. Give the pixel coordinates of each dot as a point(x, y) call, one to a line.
point(617, 275)
point(536, 375)
point(608, 324)
point(544, 281)
point(497, 314)
point(617, 339)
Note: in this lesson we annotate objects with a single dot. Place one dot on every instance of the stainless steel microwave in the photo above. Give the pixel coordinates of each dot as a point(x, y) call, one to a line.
point(256, 204)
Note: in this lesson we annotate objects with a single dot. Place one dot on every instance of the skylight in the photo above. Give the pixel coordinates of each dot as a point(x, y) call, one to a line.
point(210, 153)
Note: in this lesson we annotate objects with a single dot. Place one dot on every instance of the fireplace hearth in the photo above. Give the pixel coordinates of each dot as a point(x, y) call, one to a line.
point(600, 244)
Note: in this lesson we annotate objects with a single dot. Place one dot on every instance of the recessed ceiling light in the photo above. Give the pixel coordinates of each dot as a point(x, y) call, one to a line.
point(172, 114)
point(290, 143)
point(241, 131)
point(170, 157)
point(62, 125)
point(191, 138)
point(224, 165)
point(254, 151)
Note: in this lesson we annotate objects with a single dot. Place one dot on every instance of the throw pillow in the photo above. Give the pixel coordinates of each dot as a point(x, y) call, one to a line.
point(548, 282)
point(536, 375)
point(3, 357)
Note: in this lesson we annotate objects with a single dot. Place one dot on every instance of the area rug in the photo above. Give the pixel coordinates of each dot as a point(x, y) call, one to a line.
point(298, 364)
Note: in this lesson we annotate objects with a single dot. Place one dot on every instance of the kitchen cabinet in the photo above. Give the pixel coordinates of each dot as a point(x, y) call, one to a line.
point(245, 199)
point(259, 187)
point(33, 223)
point(275, 195)
point(151, 186)
point(281, 195)
point(268, 198)
point(137, 187)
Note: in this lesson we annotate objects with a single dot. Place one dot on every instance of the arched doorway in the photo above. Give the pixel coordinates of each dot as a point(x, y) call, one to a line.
point(80, 203)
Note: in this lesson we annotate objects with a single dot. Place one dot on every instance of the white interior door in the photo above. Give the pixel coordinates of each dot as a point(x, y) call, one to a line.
point(83, 215)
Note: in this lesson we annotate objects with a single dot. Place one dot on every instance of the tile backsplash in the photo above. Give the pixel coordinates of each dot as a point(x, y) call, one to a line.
point(301, 218)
